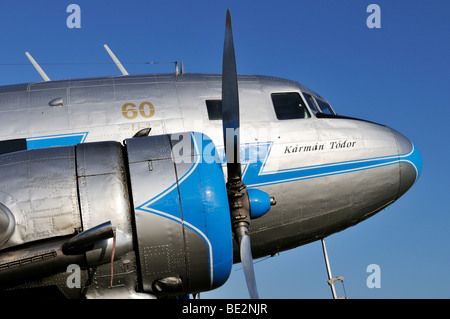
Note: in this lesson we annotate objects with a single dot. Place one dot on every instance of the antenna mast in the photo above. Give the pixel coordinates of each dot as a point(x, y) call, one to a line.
point(116, 60)
point(37, 67)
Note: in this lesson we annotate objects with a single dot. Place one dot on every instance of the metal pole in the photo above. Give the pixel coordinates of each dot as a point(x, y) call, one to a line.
point(327, 264)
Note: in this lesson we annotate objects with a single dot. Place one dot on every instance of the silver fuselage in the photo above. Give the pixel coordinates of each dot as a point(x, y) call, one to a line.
point(326, 174)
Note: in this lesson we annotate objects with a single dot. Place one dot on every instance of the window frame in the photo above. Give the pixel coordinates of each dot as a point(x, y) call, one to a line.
point(329, 105)
point(314, 108)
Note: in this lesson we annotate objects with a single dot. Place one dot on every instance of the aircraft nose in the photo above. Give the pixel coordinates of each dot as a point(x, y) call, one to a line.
point(410, 162)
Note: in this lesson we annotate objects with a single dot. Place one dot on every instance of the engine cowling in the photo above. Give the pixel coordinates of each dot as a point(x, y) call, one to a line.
point(181, 213)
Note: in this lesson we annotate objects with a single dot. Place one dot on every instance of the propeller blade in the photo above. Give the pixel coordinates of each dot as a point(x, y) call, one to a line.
point(247, 266)
point(230, 105)
point(236, 189)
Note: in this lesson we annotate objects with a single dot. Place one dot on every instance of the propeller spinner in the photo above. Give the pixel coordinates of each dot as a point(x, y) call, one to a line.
point(238, 196)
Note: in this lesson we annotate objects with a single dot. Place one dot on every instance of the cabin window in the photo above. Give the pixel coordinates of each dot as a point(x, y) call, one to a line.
point(214, 108)
point(325, 107)
point(289, 106)
point(11, 146)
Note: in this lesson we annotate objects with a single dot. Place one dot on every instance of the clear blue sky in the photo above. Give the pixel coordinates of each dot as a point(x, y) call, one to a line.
point(398, 75)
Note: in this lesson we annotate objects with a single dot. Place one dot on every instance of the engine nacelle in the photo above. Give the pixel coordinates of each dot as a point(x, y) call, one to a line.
point(181, 213)
point(162, 197)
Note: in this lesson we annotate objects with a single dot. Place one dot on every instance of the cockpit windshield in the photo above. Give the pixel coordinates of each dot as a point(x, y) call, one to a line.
point(292, 105)
point(324, 107)
point(309, 99)
point(318, 105)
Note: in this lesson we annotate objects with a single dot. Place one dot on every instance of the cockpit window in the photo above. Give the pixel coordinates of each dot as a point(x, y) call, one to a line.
point(324, 107)
point(311, 103)
point(289, 106)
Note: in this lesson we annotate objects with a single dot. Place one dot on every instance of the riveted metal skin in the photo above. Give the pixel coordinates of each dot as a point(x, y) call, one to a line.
point(159, 205)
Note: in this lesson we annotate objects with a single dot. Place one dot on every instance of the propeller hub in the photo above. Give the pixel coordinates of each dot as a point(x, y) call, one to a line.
point(260, 202)
point(239, 206)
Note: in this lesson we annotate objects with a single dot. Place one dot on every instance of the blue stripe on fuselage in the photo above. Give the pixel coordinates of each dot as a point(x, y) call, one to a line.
point(56, 140)
point(254, 174)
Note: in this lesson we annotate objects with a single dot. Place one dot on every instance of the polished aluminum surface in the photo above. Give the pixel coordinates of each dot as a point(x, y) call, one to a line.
point(326, 174)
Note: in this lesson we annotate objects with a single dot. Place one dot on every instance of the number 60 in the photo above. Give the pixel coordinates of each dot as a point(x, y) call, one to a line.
point(146, 109)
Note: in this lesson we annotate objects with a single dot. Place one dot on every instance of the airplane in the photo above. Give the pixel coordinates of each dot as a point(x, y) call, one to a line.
point(133, 186)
